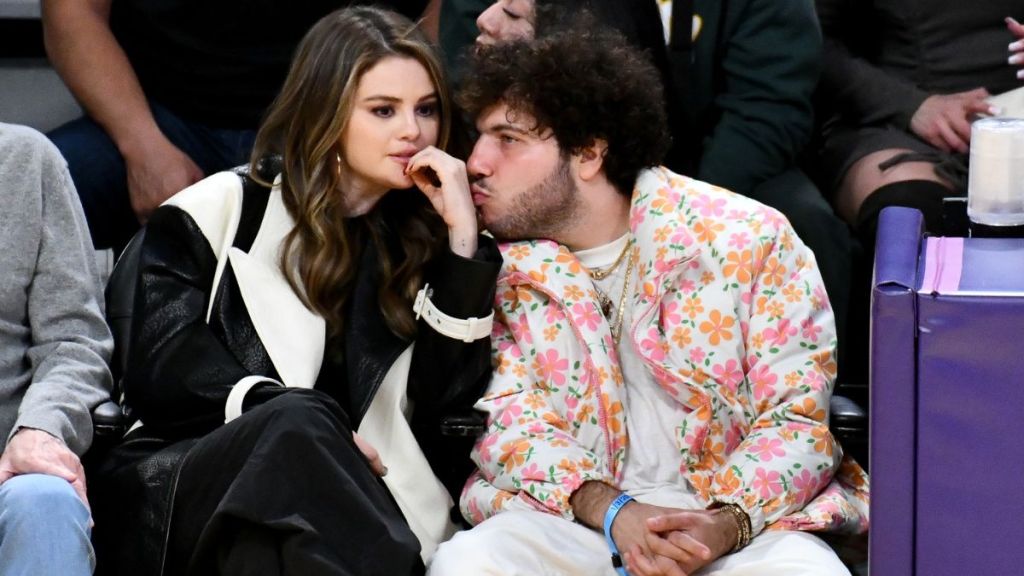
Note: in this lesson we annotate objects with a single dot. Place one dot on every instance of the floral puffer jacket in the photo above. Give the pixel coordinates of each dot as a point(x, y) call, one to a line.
point(731, 318)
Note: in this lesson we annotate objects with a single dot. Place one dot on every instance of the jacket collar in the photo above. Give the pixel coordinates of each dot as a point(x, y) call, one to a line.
point(293, 335)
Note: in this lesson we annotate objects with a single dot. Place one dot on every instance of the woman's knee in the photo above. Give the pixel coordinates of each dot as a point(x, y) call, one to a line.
point(866, 176)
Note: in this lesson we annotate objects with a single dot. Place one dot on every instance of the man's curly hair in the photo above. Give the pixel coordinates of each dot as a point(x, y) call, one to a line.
point(584, 84)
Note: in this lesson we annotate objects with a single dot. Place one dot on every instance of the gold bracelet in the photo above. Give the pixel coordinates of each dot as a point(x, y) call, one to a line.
point(743, 527)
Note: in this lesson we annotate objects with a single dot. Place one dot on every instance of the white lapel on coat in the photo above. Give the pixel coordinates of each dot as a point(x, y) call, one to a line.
point(292, 334)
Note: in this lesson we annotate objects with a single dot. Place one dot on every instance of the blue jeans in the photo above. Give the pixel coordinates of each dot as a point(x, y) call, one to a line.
point(44, 528)
point(99, 173)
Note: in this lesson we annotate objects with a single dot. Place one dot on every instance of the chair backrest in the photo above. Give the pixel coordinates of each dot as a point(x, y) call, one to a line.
point(120, 297)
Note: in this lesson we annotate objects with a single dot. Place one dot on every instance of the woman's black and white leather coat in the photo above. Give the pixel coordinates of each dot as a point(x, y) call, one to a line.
point(190, 345)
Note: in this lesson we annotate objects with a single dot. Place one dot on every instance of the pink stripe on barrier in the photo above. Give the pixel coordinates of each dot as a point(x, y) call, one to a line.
point(943, 265)
point(951, 265)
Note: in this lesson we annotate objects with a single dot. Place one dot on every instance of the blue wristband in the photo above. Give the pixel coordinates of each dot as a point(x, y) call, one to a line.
point(609, 517)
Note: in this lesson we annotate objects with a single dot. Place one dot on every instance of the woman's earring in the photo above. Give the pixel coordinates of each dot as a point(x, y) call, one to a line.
point(337, 167)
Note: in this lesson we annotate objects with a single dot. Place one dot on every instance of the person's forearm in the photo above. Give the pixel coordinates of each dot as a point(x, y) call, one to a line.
point(95, 68)
point(590, 502)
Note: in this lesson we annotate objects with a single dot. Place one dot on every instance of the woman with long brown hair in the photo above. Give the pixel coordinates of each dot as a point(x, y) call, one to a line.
point(302, 325)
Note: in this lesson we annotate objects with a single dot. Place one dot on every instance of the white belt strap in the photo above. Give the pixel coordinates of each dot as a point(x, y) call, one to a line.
point(233, 407)
point(466, 330)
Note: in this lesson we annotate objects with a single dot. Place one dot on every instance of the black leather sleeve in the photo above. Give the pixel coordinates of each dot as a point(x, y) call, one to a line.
point(447, 375)
point(179, 373)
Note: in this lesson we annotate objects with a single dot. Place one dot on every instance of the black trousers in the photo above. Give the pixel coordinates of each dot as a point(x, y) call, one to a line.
point(282, 490)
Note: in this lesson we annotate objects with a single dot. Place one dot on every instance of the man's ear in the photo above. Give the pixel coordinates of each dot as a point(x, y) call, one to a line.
point(590, 160)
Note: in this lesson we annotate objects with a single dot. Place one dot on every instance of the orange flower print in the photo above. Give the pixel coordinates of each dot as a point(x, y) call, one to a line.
point(717, 327)
point(681, 337)
point(740, 265)
point(692, 307)
point(809, 408)
point(707, 230)
point(727, 481)
point(514, 454)
point(661, 234)
point(702, 484)
point(823, 441)
point(707, 277)
point(535, 401)
point(568, 466)
point(792, 293)
point(826, 363)
point(572, 292)
point(519, 251)
point(566, 257)
point(551, 332)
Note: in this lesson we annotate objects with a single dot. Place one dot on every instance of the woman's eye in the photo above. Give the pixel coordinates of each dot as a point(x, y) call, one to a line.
point(506, 139)
point(426, 109)
point(383, 111)
point(511, 15)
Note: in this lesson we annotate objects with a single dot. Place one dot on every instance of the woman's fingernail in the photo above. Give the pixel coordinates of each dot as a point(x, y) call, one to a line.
point(1017, 45)
point(995, 110)
point(384, 471)
point(1015, 59)
point(1020, 74)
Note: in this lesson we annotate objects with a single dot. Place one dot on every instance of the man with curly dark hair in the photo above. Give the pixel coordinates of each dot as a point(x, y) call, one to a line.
point(663, 348)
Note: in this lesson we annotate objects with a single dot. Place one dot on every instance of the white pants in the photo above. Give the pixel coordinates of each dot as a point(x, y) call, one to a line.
point(535, 544)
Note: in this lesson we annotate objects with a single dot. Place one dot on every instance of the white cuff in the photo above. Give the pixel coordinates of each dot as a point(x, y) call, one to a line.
point(466, 330)
point(233, 407)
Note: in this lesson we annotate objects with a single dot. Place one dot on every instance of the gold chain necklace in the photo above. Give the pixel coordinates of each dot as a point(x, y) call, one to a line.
point(619, 320)
point(602, 274)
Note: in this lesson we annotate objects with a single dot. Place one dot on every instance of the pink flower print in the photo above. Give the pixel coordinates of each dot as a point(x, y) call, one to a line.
point(806, 485)
point(586, 316)
point(532, 472)
point(669, 316)
point(553, 313)
point(510, 415)
point(635, 219)
point(733, 437)
point(814, 380)
point(572, 401)
point(682, 237)
point(696, 354)
point(767, 483)
point(536, 428)
point(653, 345)
point(771, 217)
point(729, 374)
point(809, 331)
point(549, 366)
point(739, 240)
point(768, 448)
point(763, 380)
point(708, 207)
point(476, 516)
point(781, 333)
point(687, 286)
point(521, 330)
point(819, 299)
point(483, 447)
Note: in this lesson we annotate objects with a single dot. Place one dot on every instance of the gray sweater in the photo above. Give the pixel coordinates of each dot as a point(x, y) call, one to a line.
point(54, 343)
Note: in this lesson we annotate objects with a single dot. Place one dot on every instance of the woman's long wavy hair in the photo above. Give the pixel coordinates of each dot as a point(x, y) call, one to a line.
point(303, 127)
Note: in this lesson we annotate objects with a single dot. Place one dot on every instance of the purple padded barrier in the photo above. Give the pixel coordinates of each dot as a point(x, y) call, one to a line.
point(893, 394)
point(970, 453)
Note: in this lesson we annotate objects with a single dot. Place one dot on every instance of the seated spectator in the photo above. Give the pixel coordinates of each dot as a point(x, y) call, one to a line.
point(738, 92)
point(275, 317)
point(54, 350)
point(664, 348)
point(898, 103)
point(172, 91)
